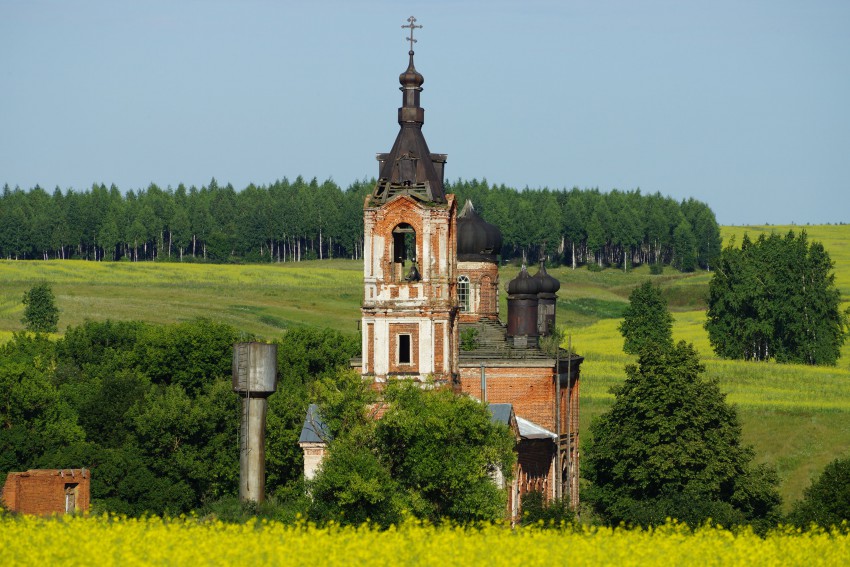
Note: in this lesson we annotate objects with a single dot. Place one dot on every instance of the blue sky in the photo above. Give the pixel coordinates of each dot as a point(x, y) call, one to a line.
point(742, 104)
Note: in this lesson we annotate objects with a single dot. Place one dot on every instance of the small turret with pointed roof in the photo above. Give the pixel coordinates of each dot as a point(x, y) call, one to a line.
point(410, 168)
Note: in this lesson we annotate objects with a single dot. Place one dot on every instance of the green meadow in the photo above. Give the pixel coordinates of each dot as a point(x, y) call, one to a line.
point(797, 417)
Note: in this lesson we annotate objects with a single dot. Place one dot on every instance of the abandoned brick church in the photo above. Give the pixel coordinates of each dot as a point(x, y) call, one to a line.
point(431, 312)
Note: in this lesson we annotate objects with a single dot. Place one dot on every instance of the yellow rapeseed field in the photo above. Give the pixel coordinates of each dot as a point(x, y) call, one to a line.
point(112, 540)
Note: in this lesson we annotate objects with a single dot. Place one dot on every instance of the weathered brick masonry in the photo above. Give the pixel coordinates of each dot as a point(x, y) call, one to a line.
point(43, 491)
point(530, 389)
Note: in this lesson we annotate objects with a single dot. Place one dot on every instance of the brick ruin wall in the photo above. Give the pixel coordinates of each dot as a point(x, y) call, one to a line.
point(45, 492)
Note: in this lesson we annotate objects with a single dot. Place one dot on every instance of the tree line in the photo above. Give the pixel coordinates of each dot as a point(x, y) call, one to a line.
point(298, 220)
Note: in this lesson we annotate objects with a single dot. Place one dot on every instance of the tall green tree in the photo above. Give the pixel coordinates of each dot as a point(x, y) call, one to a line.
point(41, 315)
point(684, 247)
point(647, 324)
point(670, 446)
point(34, 418)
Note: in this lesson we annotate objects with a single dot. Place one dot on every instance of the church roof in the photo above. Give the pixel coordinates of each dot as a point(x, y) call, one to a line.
point(314, 429)
point(477, 239)
point(492, 348)
point(524, 283)
point(548, 284)
point(410, 168)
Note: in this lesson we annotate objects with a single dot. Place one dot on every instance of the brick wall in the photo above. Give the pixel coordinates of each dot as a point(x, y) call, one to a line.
point(531, 390)
point(483, 290)
point(47, 491)
point(534, 471)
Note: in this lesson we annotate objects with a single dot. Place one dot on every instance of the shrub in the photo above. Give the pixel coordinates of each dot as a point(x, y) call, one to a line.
point(40, 312)
point(827, 501)
point(555, 514)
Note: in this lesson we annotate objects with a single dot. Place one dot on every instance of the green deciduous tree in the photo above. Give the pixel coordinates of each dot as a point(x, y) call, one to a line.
point(443, 450)
point(41, 315)
point(684, 247)
point(304, 356)
point(352, 485)
point(432, 454)
point(34, 418)
point(670, 446)
point(646, 322)
point(776, 298)
point(827, 501)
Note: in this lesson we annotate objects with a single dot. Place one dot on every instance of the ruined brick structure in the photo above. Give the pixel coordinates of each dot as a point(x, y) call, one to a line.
point(40, 491)
point(431, 312)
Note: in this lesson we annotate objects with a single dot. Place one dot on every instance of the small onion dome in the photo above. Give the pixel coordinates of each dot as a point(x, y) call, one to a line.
point(548, 284)
point(411, 78)
point(477, 239)
point(523, 284)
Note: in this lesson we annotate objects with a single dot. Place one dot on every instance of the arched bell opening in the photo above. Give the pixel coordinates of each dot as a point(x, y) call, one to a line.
point(405, 267)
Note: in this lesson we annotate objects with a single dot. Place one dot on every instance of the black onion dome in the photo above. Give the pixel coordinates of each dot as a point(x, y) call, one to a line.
point(411, 78)
point(523, 284)
point(548, 284)
point(477, 239)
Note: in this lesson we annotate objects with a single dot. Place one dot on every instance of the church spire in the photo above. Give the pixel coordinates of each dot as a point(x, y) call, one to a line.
point(410, 168)
point(411, 85)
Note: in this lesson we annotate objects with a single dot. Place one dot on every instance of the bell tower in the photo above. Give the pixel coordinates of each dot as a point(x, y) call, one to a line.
point(409, 303)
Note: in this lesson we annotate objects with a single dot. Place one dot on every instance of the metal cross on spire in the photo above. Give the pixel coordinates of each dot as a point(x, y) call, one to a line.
point(412, 25)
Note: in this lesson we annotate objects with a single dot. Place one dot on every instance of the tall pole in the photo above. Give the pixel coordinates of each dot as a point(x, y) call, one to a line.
point(569, 418)
point(558, 476)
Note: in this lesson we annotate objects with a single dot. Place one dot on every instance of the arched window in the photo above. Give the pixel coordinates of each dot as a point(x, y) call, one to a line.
point(404, 249)
point(463, 293)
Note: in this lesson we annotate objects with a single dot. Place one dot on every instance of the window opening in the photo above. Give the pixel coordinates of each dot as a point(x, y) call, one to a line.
point(405, 267)
point(463, 292)
point(404, 352)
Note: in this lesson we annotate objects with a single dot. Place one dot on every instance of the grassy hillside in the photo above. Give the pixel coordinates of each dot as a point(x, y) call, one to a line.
point(798, 417)
point(261, 299)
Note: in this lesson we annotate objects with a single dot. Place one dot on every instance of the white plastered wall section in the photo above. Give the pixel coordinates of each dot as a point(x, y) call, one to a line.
point(381, 344)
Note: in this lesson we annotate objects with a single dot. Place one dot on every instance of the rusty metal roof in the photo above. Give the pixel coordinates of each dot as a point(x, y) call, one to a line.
point(477, 239)
point(410, 168)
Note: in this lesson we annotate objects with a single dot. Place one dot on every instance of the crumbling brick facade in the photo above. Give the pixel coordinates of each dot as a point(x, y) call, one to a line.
point(47, 491)
point(409, 318)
